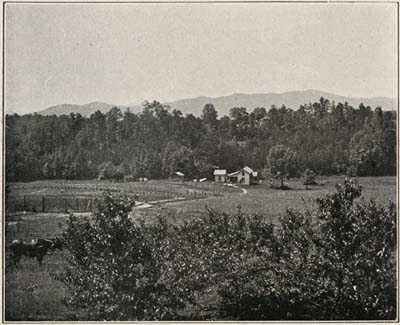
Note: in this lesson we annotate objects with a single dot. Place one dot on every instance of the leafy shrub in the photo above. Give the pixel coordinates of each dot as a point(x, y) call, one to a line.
point(117, 269)
point(356, 243)
point(340, 267)
point(336, 263)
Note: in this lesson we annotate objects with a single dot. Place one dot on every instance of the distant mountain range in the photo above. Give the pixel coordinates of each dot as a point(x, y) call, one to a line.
point(85, 110)
point(292, 99)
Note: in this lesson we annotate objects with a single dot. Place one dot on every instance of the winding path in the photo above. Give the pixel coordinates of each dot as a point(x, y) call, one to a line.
point(146, 205)
point(241, 188)
point(36, 192)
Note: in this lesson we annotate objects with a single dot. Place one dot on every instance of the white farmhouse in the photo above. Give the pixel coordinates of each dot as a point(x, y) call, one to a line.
point(244, 176)
point(220, 175)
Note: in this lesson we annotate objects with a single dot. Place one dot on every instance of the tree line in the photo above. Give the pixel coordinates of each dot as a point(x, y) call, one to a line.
point(323, 136)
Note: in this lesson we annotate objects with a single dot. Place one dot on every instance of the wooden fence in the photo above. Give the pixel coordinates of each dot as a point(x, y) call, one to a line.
point(51, 204)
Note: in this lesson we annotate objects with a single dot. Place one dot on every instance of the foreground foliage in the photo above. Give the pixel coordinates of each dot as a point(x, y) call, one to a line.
point(336, 263)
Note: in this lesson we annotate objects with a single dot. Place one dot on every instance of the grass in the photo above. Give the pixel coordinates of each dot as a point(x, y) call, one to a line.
point(94, 187)
point(32, 292)
point(61, 195)
point(262, 199)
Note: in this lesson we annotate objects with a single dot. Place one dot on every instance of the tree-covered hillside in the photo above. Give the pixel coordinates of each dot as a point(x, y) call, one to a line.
point(326, 137)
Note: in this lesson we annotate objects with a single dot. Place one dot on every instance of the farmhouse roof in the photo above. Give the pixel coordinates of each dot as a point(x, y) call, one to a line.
point(220, 172)
point(247, 169)
point(180, 174)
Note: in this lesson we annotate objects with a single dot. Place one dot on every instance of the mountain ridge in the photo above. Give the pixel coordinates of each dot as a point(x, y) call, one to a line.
point(291, 99)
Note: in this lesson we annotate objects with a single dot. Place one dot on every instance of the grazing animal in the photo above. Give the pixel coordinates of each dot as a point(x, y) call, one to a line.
point(35, 249)
point(57, 244)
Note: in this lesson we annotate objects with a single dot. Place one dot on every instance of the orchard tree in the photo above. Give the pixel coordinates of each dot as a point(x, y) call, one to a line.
point(282, 162)
point(118, 269)
point(336, 264)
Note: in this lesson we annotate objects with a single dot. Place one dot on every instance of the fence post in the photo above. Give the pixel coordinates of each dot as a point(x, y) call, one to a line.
point(65, 206)
point(24, 203)
point(88, 206)
point(77, 204)
point(43, 204)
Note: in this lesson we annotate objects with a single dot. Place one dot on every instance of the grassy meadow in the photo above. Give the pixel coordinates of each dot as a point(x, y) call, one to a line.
point(95, 188)
point(271, 203)
point(33, 293)
point(79, 196)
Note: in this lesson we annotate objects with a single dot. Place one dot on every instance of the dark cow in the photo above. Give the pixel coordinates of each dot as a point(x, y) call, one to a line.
point(35, 249)
point(51, 244)
point(57, 244)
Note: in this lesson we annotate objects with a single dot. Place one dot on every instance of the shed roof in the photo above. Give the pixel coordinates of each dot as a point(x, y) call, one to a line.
point(220, 172)
point(234, 173)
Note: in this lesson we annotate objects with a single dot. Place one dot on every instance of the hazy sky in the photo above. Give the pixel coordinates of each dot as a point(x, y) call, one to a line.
point(127, 53)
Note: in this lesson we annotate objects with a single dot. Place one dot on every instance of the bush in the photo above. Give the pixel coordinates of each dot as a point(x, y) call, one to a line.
point(356, 245)
point(117, 270)
point(340, 267)
point(336, 263)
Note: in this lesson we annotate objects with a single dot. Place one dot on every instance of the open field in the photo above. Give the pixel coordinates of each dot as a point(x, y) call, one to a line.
point(271, 203)
point(94, 187)
point(79, 196)
point(32, 292)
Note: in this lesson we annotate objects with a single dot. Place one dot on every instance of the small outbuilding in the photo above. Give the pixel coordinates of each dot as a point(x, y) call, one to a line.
point(220, 175)
point(178, 176)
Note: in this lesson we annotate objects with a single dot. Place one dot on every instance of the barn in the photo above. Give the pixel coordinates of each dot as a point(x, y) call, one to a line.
point(220, 175)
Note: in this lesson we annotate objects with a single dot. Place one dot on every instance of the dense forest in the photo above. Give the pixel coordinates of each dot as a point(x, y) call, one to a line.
point(325, 137)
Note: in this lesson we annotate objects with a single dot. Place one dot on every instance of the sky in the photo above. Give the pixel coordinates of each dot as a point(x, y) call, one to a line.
point(127, 53)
